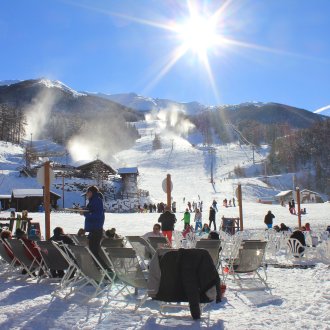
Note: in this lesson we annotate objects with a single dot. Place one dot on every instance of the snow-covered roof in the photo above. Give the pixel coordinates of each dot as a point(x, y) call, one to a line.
point(128, 170)
point(283, 193)
point(5, 196)
point(309, 191)
point(22, 193)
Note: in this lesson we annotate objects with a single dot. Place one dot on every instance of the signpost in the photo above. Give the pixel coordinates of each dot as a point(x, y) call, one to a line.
point(45, 176)
point(240, 206)
point(167, 186)
point(298, 205)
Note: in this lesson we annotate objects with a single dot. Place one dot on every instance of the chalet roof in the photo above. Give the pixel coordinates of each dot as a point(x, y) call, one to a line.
point(283, 193)
point(96, 162)
point(22, 193)
point(5, 196)
point(128, 170)
point(309, 191)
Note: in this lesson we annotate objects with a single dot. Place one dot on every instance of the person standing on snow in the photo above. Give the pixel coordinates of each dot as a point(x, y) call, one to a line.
point(94, 220)
point(269, 219)
point(214, 205)
point(186, 219)
point(198, 220)
point(212, 218)
point(167, 220)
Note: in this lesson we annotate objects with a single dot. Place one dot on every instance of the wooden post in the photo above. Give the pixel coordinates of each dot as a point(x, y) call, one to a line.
point(63, 191)
point(168, 190)
point(240, 206)
point(47, 198)
point(298, 205)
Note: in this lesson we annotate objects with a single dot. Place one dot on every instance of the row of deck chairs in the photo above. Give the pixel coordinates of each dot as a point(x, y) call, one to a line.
point(127, 268)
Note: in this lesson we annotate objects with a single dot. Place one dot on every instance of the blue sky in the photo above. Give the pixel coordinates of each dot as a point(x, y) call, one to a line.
point(279, 49)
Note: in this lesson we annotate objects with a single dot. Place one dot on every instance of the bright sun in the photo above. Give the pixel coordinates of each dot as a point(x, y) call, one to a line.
point(198, 34)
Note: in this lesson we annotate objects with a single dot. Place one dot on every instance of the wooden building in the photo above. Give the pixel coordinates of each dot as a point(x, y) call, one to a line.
point(308, 196)
point(285, 196)
point(31, 199)
point(96, 170)
point(129, 176)
point(5, 202)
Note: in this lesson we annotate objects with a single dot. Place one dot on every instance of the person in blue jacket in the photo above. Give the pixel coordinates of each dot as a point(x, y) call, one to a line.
point(94, 220)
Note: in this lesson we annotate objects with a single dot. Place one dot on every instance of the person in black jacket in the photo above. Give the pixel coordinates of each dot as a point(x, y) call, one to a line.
point(269, 219)
point(212, 218)
point(59, 236)
point(167, 219)
point(188, 275)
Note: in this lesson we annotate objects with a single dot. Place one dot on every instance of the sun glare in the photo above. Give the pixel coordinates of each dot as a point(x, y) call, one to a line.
point(198, 34)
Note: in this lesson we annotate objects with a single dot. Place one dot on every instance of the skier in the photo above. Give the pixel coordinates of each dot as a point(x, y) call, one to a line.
point(186, 219)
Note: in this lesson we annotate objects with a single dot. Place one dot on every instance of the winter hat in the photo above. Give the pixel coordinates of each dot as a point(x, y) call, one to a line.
point(92, 189)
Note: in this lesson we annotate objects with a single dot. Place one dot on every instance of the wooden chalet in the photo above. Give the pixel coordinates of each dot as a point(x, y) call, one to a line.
point(31, 199)
point(129, 176)
point(95, 170)
point(5, 202)
point(308, 196)
point(285, 196)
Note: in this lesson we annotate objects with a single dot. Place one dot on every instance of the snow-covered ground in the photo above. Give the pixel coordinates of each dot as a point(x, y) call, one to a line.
point(299, 298)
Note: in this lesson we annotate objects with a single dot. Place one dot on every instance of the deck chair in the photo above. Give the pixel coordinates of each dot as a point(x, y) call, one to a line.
point(20, 251)
point(109, 242)
point(52, 258)
point(9, 263)
point(128, 271)
point(72, 276)
point(250, 259)
point(295, 248)
point(213, 247)
point(88, 271)
point(79, 240)
point(112, 242)
point(143, 249)
point(159, 242)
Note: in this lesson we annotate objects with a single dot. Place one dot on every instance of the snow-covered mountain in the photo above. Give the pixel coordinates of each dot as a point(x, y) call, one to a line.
point(8, 82)
point(59, 85)
point(325, 111)
point(142, 103)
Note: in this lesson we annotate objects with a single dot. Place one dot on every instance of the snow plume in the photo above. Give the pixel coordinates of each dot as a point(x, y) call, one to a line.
point(101, 137)
point(38, 114)
point(172, 119)
point(323, 111)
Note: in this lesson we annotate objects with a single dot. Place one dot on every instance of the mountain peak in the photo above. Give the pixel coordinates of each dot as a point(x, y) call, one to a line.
point(58, 84)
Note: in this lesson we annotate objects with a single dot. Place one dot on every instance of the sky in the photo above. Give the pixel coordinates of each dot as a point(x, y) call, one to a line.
point(213, 52)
